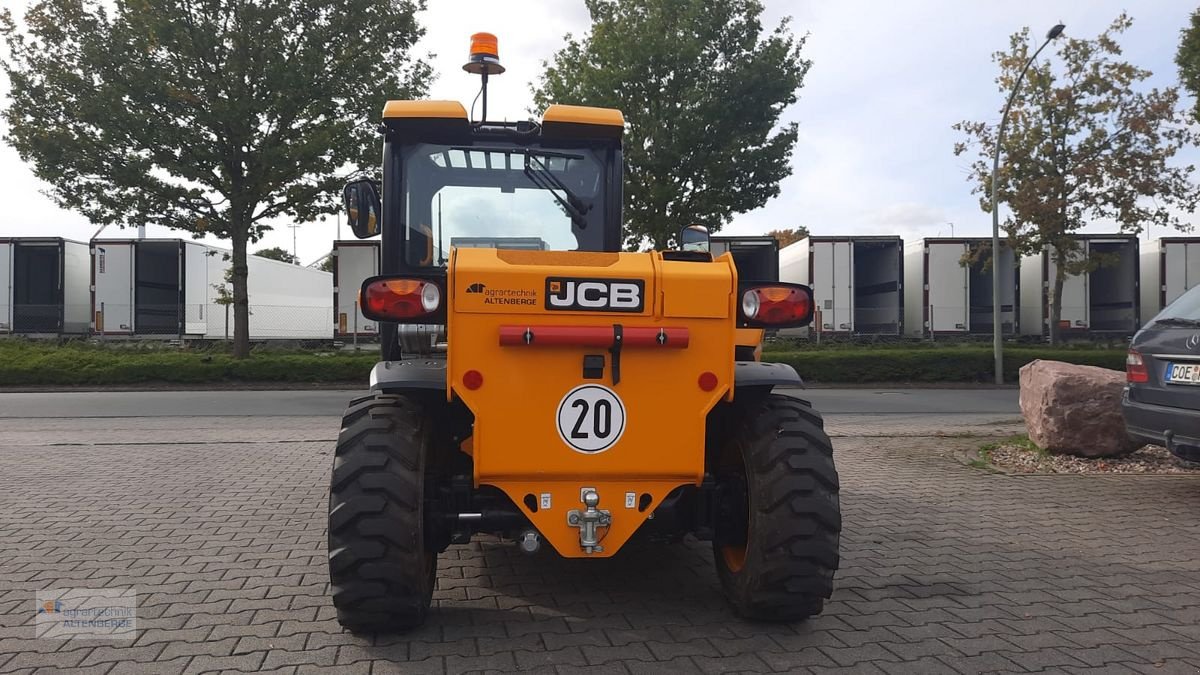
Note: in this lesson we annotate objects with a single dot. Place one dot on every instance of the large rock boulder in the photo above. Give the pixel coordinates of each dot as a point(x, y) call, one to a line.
point(1074, 410)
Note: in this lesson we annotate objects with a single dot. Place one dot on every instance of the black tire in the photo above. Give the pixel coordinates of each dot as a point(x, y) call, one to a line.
point(380, 566)
point(780, 462)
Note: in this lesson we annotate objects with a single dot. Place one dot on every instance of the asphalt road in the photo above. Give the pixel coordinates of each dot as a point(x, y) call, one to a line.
point(287, 403)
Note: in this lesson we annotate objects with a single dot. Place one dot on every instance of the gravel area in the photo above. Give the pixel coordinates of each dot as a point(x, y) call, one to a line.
point(1018, 457)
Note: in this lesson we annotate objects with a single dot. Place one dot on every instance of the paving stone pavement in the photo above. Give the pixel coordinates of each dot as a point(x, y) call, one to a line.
point(219, 525)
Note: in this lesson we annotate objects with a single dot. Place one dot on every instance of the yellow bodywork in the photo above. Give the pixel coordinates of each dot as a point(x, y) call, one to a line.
point(517, 446)
point(424, 110)
point(557, 113)
point(581, 114)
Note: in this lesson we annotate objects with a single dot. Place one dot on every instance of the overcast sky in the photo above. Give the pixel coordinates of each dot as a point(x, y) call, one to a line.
point(875, 150)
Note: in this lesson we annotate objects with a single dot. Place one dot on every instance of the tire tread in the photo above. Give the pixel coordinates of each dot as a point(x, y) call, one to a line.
point(792, 550)
point(380, 569)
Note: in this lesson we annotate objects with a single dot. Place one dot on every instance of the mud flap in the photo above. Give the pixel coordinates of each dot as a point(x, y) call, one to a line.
point(759, 374)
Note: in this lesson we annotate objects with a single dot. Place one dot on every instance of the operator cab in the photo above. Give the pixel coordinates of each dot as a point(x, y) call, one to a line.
point(452, 181)
point(449, 182)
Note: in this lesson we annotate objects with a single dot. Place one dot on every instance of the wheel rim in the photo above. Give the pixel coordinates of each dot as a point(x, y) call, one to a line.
point(733, 548)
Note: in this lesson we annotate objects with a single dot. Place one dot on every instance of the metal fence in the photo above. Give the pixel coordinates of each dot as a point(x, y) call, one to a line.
point(166, 321)
point(881, 320)
point(964, 319)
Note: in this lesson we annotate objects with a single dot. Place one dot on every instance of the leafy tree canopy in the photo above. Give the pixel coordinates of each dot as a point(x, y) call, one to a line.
point(326, 263)
point(277, 253)
point(211, 116)
point(1085, 142)
point(1188, 60)
point(786, 236)
point(702, 87)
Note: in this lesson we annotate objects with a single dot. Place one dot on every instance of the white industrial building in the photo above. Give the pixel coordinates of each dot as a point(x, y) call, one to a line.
point(946, 297)
point(857, 282)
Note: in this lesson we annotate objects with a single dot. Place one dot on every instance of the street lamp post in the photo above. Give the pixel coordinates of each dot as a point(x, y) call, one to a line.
point(997, 327)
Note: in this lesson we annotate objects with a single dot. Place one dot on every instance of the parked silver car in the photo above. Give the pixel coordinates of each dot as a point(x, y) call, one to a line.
point(1162, 398)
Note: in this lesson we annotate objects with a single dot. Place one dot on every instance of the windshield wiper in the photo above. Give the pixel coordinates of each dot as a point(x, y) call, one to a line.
point(541, 177)
point(1177, 321)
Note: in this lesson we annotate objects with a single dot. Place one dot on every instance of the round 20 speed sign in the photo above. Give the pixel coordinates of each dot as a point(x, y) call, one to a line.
point(591, 418)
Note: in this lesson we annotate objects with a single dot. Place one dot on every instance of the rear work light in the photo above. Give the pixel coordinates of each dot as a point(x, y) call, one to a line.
point(776, 305)
point(402, 300)
point(1135, 368)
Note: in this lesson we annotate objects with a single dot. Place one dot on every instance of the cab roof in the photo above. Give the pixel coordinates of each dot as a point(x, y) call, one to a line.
point(564, 120)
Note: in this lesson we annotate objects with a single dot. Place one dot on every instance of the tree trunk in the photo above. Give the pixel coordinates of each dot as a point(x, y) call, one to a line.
point(1060, 275)
point(241, 300)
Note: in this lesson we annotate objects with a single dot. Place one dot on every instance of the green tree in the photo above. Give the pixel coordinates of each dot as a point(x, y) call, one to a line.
point(1188, 60)
point(224, 294)
point(278, 253)
point(1085, 142)
point(211, 116)
point(785, 236)
point(702, 88)
point(326, 263)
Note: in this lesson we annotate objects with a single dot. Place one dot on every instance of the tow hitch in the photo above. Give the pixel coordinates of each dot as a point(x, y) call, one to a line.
point(589, 520)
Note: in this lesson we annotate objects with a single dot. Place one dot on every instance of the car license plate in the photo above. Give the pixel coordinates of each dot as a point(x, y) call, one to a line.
point(1182, 373)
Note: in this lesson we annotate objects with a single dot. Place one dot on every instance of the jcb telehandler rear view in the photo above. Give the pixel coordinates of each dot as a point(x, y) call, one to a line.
point(540, 384)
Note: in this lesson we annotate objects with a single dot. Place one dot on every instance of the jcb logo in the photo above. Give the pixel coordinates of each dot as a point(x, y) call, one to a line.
point(594, 295)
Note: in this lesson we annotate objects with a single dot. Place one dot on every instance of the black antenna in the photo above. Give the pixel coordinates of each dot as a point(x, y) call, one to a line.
point(483, 115)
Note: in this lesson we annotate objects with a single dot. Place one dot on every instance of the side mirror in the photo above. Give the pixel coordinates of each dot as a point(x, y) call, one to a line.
point(362, 207)
point(694, 238)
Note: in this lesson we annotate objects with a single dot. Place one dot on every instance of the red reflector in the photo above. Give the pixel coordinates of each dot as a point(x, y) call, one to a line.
point(1135, 368)
point(472, 379)
point(708, 381)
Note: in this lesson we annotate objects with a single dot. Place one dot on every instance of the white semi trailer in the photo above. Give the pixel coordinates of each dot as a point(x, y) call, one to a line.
point(45, 284)
point(6, 281)
point(857, 282)
point(1105, 301)
point(149, 287)
point(353, 262)
point(1170, 266)
point(945, 297)
point(175, 288)
point(755, 257)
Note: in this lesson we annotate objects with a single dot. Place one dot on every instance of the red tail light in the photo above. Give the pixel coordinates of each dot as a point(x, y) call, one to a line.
point(392, 299)
point(1135, 368)
point(776, 305)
